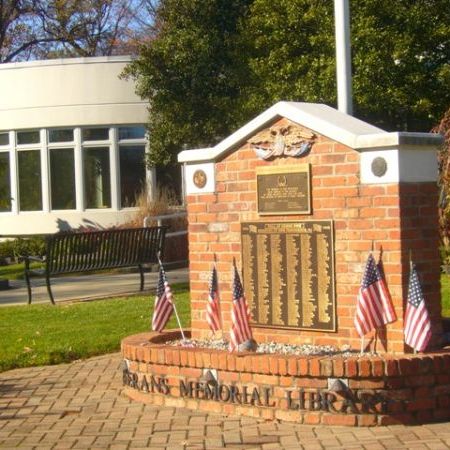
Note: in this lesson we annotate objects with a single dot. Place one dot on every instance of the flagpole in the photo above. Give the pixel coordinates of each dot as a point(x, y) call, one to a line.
point(173, 301)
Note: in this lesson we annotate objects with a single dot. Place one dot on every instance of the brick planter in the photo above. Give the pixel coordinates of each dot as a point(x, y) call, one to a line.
point(400, 389)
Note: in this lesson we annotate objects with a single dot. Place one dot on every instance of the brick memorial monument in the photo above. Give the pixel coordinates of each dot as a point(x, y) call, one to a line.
point(300, 197)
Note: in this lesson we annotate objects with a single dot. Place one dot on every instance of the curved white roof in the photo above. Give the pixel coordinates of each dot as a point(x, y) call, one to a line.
point(68, 92)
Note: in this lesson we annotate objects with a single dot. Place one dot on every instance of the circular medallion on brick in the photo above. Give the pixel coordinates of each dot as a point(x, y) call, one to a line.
point(199, 178)
point(379, 166)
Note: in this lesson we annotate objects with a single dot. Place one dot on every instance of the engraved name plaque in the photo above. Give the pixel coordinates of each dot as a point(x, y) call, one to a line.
point(283, 190)
point(288, 273)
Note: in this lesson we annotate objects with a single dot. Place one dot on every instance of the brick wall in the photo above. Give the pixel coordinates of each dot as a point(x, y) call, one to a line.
point(381, 390)
point(395, 218)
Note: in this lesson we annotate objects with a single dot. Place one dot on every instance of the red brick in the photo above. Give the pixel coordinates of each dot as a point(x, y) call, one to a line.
point(326, 367)
point(396, 419)
point(423, 403)
point(282, 366)
point(338, 367)
point(366, 420)
point(314, 367)
point(223, 361)
point(377, 368)
point(364, 367)
point(231, 362)
point(292, 366)
point(351, 368)
point(303, 368)
point(420, 380)
point(273, 365)
point(312, 418)
point(339, 419)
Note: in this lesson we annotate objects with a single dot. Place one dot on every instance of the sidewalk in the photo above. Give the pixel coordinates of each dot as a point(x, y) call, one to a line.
point(83, 287)
point(80, 406)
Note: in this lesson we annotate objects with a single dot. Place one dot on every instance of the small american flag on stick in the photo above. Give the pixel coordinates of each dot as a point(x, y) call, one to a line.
point(417, 322)
point(213, 308)
point(374, 307)
point(240, 316)
point(163, 302)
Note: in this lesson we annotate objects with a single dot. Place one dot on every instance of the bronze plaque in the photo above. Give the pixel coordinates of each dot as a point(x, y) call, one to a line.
point(288, 273)
point(283, 190)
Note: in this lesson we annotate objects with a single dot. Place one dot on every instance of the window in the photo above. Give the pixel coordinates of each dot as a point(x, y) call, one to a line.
point(60, 135)
point(137, 132)
point(132, 173)
point(62, 176)
point(4, 138)
point(97, 178)
point(95, 134)
point(5, 190)
point(30, 191)
point(28, 137)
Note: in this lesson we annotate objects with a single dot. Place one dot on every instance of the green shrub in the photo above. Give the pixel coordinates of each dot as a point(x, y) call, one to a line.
point(14, 248)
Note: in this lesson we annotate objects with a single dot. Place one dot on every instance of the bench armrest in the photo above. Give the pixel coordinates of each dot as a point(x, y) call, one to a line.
point(31, 258)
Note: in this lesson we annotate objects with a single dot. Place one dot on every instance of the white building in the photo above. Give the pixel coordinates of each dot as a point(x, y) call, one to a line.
point(72, 145)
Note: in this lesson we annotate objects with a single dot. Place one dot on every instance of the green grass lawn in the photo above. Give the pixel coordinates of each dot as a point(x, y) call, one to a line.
point(15, 271)
point(43, 334)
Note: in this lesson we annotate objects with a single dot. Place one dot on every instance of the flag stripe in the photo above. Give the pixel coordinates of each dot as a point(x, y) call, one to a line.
point(374, 306)
point(240, 317)
point(212, 307)
point(163, 303)
point(417, 325)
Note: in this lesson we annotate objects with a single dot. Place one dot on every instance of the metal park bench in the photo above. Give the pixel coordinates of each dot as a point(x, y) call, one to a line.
point(106, 249)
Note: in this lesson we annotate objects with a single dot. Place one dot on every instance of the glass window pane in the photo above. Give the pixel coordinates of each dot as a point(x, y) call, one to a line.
point(62, 175)
point(28, 137)
point(4, 138)
point(30, 188)
point(5, 189)
point(65, 135)
point(132, 132)
point(95, 134)
point(97, 187)
point(132, 173)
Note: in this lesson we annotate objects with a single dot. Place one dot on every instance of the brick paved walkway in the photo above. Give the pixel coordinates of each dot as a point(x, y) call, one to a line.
point(80, 406)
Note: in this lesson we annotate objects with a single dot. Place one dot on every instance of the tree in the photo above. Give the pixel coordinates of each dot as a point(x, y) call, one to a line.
point(400, 57)
point(36, 29)
point(444, 187)
point(191, 74)
point(215, 64)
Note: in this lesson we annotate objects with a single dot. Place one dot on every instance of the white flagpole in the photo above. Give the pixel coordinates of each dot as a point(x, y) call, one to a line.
point(173, 301)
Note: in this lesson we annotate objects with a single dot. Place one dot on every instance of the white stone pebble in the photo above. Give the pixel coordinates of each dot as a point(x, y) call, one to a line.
point(271, 347)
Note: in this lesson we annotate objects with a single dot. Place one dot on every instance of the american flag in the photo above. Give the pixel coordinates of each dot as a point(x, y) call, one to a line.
point(212, 308)
point(240, 316)
point(163, 302)
point(417, 322)
point(374, 307)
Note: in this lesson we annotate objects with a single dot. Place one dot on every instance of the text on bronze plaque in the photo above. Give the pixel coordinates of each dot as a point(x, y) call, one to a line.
point(283, 190)
point(289, 274)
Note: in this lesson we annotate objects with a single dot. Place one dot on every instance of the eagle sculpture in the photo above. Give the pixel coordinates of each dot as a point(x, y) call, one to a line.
point(282, 140)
